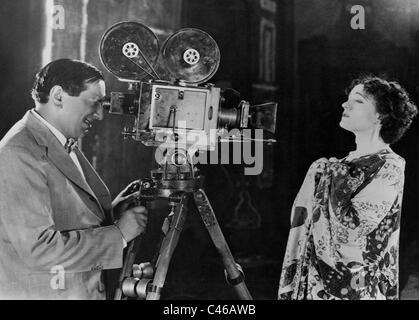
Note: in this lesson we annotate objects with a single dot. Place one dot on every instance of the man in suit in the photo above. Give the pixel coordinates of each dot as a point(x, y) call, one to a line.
point(57, 231)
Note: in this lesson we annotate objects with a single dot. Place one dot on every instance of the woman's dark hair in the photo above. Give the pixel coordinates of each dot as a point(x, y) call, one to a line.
point(71, 75)
point(392, 103)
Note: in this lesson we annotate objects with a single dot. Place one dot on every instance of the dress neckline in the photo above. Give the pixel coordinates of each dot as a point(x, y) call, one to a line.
point(353, 155)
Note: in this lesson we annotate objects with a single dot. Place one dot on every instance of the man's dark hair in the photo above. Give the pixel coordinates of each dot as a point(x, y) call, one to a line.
point(71, 75)
point(392, 103)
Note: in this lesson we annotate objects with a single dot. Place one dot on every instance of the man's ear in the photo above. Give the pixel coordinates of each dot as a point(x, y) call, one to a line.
point(56, 95)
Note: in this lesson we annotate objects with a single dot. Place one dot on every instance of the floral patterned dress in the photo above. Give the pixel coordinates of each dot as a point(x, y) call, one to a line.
point(344, 237)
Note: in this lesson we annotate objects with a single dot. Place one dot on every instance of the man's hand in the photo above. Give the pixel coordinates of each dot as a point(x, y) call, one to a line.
point(125, 198)
point(133, 222)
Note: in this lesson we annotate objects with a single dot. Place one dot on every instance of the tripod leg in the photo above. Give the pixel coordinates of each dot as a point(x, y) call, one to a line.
point(211, 223)
point(167, 248)
point(133, 248)
point(127, 268)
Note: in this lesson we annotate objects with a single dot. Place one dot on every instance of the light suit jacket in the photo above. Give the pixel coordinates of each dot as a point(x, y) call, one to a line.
point(56, 231)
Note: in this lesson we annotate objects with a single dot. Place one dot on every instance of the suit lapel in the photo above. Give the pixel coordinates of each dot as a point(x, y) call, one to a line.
point(94, 181)
point(61, 159)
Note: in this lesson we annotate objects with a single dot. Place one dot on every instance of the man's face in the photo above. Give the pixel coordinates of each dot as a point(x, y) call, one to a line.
point(78, 113)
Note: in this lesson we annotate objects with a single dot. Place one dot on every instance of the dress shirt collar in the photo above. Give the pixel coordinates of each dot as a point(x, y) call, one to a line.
point(54, 130)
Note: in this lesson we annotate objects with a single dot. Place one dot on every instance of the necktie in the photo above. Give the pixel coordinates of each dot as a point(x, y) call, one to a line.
point(72, 149)
point(70, 144)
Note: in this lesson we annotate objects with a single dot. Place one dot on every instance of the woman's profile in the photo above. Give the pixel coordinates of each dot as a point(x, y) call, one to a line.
point(345, 221)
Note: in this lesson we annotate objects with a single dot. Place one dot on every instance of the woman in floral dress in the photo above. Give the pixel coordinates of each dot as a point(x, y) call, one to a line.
point(345, 220)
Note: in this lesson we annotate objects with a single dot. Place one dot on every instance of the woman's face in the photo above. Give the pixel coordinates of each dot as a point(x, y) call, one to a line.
point(359, 112)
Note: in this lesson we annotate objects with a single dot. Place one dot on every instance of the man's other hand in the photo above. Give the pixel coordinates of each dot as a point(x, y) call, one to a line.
point(125, 199)
point(133, 222)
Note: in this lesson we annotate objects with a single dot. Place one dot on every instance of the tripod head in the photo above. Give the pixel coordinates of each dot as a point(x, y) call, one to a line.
point(175, 175)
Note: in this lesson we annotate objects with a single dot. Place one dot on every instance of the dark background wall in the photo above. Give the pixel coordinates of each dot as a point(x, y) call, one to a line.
point(21, 36)
point(301, 54)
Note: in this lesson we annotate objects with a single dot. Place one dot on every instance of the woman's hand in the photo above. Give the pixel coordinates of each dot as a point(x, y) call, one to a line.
point(319, 165)
point(323, 165)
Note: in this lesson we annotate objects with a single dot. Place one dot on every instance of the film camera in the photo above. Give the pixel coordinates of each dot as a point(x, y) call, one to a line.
point(184, 114)
point(181, 109)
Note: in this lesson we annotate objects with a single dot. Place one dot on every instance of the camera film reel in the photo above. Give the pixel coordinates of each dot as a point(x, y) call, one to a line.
point(130, 51)
point(191, 55)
